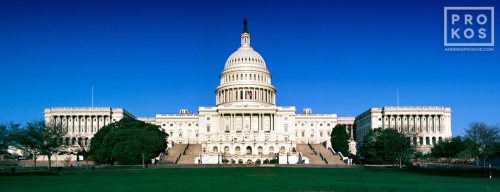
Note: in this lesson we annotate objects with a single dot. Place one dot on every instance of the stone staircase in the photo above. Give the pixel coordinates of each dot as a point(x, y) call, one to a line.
point(307, 152)
point(191, 153)
point(330, 158)
point(173, 154)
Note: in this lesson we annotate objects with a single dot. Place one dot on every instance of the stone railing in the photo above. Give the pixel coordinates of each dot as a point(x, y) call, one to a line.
point(80, 108)
point(173, 115)
point(317, 115)
point(416, 107)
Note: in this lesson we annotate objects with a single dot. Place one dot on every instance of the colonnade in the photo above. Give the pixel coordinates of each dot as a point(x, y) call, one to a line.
point(246, 94)
point(81, 123)
point(257, 122)
point(416, 123)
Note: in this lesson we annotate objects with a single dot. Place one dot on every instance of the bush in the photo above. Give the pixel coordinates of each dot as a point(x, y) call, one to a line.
point(257, 162)
point(266, 161)
point(225, 161)
point(233, 161)
point(274, 161)
point(240, 161)
point(355, 159)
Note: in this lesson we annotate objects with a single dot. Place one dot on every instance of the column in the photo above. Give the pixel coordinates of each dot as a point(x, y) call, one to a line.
point(251, 128)
point(261, 122)
point(383, 121)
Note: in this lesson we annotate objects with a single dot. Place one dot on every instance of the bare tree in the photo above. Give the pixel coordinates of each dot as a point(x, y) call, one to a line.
point(481, 139)
point(83, 149)
point(39, 138)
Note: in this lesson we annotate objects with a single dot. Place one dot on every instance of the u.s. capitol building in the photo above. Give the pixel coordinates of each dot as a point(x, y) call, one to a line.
point(246, 124)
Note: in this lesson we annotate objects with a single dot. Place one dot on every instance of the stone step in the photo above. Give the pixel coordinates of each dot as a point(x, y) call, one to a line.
point(307, 152)
point(328, 155)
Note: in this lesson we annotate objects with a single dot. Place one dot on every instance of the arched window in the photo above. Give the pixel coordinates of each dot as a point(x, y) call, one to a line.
point(237, 151)
point(271, 150)
point(260, 150)
point(215, 150)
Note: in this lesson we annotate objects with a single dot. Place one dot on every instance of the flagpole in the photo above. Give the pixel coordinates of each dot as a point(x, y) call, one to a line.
point(92, 96)
point(397, 95)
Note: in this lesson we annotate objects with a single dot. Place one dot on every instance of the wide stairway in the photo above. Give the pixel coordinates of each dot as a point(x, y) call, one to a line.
point(173, 154)
point(308, 152)
point(191, 153)
point(330, 158)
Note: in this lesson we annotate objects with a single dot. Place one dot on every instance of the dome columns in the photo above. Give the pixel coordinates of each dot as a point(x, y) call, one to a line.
point(246, 94)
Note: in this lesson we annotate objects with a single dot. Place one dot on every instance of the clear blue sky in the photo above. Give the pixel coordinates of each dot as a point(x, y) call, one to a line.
point(153, 57)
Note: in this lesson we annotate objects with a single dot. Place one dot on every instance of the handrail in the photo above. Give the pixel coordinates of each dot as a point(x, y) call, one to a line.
point(178, 158)
point(323, 158)
point(331, 150)
point(185, 149)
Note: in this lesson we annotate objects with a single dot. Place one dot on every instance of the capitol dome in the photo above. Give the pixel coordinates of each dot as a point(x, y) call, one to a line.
point(245, 56)
point(245, 79)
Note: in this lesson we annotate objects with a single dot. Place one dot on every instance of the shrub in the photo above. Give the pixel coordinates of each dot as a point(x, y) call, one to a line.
point(274, 161)
point(257, 162)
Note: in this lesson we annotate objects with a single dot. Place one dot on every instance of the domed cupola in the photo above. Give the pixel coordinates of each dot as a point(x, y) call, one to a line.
point(245, 79)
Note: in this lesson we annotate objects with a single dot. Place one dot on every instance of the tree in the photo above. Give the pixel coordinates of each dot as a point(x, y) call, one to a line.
point(144, 143)
point(83, 150)
point(340, 140)
point(39, 138)
point(128, 141)
point(7, 132)
point(386, 146)
point(449, 148)
point(481, 139)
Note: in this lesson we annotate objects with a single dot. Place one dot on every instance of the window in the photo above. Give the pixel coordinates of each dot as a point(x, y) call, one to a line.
point(328, 124)
point(286, 118)
point(303, 134)
point(321, 124)
point(208, 128)
point(171, 124)
point(189, 124)
point(267, 138)
point(164, 124)
point(286, 128)
point(208, 118)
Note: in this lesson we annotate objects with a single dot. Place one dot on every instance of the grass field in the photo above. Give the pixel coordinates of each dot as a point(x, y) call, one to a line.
point(252, 179)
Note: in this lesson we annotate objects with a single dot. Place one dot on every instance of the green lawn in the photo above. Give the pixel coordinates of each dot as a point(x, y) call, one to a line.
point(252, 179)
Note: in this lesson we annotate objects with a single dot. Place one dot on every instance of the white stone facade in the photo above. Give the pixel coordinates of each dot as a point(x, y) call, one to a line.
point(81, 123)
point(245, 122)
point(430, 125)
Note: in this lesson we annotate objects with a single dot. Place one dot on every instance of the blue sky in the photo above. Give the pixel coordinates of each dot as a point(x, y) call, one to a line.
point(153, 57)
